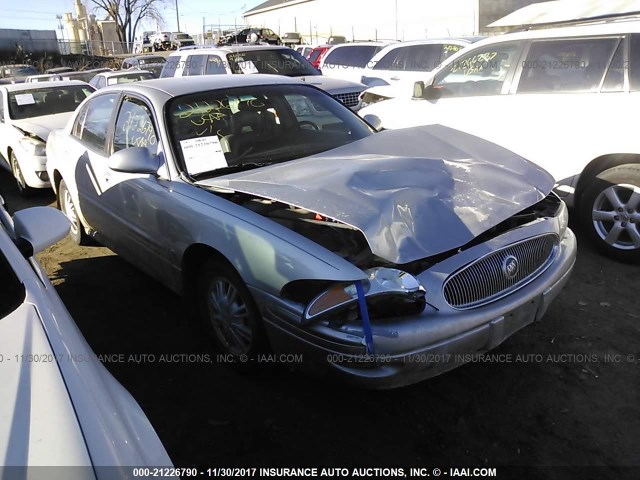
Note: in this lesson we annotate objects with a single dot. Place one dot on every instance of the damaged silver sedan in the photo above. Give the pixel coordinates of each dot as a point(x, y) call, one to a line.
point(294, 226)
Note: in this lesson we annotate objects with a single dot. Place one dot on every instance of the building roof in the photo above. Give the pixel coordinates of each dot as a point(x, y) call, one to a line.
point(566, 11)
point(273, 4)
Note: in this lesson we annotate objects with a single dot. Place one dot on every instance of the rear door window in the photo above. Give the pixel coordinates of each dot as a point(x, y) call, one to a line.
point(416, 58)
point(568, 65)
point(352, 56)
point(634, 62)
point(215, 66)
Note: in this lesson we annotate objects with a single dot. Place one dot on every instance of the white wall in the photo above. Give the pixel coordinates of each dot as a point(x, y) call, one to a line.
point(368, 19)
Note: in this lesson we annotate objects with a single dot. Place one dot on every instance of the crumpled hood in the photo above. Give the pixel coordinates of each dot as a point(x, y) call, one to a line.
point(413, 192)
point(42, 126)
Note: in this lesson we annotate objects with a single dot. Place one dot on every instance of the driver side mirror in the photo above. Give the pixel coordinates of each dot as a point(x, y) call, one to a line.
point(428, 92)
point(374, 121)
point(134, 160)
point(41, 227)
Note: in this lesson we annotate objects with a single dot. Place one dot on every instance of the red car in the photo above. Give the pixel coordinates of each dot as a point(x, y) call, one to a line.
point(316, 55)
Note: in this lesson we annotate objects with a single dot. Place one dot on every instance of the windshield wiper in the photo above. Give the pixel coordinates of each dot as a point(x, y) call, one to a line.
point(230, 169)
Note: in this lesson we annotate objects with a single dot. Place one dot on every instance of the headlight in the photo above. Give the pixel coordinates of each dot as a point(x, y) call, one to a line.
point(368, 98)
point(563, 219)
point(33, 146)
point(380, 282)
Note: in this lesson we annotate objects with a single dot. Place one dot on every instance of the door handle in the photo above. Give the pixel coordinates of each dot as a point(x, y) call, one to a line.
point(395, 78)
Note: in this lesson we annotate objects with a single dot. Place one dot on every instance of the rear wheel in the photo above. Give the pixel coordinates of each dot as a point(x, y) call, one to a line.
point(67, 206)
point(610, 212)
point(23, 189)
point(229, 312)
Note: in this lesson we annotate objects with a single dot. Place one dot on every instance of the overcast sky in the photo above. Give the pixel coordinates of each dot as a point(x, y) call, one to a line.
point(41, 14)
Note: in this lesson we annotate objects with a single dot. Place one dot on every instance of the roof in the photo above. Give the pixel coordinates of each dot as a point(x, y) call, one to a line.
point(123, 73)
point(272, 4)
point(608, 28)
point(176, 86)
point(431, 41)
point(22, 87)
point(565, 11)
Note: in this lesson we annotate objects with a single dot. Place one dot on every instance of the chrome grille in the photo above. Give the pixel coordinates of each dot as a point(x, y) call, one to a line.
point(493, 276)
point(349, 99)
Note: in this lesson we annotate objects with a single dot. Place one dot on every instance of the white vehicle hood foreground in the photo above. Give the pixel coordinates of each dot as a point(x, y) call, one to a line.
point(414, 193)
point(42, 126)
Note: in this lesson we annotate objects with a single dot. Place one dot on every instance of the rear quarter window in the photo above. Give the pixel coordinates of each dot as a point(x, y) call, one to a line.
point(170, 67)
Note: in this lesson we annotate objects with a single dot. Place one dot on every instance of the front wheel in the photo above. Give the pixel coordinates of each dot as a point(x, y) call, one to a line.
point(67, 206)
point(229, 312)
point(23, 189)
point(610, 212)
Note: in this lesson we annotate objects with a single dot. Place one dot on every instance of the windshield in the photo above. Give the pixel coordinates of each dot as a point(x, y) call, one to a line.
point(278, 61)
point(19, 71)
point(182, 36)
point(218, 132)
point(46, 101)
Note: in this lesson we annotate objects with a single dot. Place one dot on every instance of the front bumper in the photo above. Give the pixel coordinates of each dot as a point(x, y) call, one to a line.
point(411, 349)
point(34, 169)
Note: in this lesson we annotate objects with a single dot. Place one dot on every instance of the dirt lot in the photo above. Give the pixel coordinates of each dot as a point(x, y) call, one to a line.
point(571, 405)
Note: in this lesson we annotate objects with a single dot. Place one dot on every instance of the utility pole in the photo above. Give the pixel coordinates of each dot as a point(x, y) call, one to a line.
point(177, 16)
point(396, 37)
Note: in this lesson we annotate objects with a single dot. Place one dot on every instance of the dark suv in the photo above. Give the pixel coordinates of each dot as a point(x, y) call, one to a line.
point(252, 35)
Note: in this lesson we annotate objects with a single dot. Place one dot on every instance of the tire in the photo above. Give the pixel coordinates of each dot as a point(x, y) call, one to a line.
point(610, 212)
point(23, 189)
point(229, 312)
point(68, 207)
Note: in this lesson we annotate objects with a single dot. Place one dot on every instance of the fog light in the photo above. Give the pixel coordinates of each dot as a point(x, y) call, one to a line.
point(44, 176)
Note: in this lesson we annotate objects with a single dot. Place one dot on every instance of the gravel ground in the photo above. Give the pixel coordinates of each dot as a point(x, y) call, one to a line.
point(568, 395)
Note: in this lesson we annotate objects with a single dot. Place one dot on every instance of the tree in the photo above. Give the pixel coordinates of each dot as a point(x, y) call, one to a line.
point(128, 14)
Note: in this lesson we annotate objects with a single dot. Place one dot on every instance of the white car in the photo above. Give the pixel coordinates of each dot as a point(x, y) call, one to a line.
point(394, 69)
point(59, 406)
point(565, 98)
point(252, 59)
point(106, 79)
point(161, 41)
point(348, 61)
point(47, 77)
point(28, 113)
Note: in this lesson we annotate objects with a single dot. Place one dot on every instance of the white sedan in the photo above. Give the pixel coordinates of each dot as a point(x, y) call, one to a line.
point(59, 406)
point(28, 112)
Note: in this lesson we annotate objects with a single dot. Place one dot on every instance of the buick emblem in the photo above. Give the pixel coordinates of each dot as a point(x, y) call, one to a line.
point(510, 267)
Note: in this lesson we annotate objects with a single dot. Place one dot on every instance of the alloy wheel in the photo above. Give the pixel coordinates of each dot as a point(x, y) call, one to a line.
point(616, 216)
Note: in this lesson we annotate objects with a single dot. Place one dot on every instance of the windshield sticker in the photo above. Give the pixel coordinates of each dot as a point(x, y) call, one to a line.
point(25, 99)
point(203, 154)
point(248, 67)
